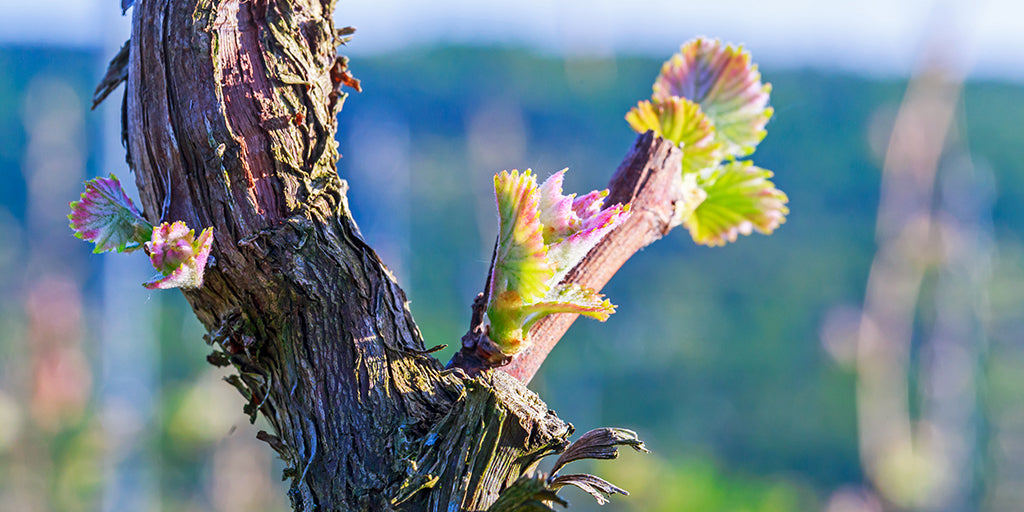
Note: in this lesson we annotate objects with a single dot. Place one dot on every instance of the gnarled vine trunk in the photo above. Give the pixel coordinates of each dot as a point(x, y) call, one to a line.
point(230, 122)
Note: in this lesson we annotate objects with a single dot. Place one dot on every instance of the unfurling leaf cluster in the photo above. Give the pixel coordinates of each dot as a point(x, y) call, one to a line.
point(542, 235)
point(710, 101)
point(106, 216)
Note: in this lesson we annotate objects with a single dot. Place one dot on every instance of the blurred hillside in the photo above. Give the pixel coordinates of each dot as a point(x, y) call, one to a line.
point(715, 355)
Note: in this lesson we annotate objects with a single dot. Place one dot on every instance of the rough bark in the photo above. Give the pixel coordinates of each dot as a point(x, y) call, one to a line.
point(230, 122)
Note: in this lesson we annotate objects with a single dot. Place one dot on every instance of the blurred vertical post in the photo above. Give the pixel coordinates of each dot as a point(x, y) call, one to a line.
point(928, 273)
point(129, 350)
point(957, 344)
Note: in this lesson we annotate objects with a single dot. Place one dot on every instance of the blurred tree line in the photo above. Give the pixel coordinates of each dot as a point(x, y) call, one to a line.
point(715, 356)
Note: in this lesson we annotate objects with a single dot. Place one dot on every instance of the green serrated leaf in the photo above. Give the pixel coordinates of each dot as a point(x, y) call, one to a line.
point(739, 199)
point(543, 234)
point(568, 298)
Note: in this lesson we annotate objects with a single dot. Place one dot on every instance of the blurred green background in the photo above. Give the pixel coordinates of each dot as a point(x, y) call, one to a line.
point(737, 365)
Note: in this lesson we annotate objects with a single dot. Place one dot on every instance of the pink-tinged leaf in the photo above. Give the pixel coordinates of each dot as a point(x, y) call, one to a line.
point(569, 298)
point(106, 216)
point(572, 226)
point(556, 210)
point(590, 204)
point(681, 121)
point(728, 88)
point(521, 262)
point(739, 200)
point(178, 255)
point(569, 251)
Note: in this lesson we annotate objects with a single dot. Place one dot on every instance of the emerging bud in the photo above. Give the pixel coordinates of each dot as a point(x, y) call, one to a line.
point(542, 236)
point(178, 255)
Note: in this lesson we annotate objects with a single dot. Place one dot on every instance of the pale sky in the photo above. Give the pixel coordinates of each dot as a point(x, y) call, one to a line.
point(883, 37)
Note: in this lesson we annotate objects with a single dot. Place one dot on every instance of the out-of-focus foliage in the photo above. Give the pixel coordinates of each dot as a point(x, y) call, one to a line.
point(714, 355)
point(698, 484)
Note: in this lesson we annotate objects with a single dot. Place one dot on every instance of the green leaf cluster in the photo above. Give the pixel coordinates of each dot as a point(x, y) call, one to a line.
point(710, 101)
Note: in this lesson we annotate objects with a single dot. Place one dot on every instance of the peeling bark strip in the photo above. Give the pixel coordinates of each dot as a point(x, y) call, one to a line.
point(117, 73)
point(247, 91)
point(230, 113)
